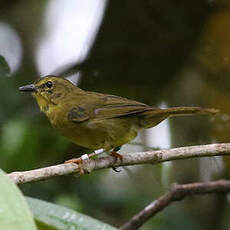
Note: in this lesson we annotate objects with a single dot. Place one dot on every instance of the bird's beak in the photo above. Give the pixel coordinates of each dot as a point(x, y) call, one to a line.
point(28, 88)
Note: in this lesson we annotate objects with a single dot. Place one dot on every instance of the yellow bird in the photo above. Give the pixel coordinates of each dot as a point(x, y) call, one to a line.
point(100, 122)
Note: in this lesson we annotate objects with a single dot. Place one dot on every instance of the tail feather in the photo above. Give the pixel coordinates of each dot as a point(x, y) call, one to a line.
point(177, 111)
point(155, 116)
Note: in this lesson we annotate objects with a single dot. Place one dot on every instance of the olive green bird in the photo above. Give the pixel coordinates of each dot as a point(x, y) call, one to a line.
point(98, 121)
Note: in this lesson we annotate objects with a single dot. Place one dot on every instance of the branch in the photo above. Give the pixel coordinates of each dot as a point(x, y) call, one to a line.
point(149, 157)
point(177, 192)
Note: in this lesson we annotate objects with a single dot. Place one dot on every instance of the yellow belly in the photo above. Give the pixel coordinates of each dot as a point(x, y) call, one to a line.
point(95, 134)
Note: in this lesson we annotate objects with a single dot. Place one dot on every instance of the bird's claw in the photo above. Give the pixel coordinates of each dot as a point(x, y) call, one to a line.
point(79, 163)
point(116, 156)
point(115, 169)
point(74, 160)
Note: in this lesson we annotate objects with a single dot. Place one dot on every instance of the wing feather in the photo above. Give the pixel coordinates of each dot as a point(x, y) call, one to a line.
point(115, 106)
point(78, 114)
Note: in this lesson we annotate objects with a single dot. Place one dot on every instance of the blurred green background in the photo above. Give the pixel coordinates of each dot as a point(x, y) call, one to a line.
point(164, 53)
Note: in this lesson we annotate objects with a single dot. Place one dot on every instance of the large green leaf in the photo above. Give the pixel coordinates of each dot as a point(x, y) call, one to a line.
point(58, 217)
point(4, 68)
point(14, 211)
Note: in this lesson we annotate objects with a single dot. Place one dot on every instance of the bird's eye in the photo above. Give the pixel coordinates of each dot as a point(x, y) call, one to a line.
point(49, 84)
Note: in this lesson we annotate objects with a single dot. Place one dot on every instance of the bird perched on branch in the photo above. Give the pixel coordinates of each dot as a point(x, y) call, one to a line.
point(98, 121)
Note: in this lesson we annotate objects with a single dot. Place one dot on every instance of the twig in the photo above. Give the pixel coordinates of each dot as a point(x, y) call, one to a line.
point(177, 192)
point(149, 157)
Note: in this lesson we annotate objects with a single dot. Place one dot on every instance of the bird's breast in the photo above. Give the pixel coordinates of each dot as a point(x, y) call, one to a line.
point(92, 133)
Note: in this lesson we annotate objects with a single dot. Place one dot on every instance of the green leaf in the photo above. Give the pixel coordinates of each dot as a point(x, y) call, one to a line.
point(4, 68)
point(61, 218)
point(14, 211)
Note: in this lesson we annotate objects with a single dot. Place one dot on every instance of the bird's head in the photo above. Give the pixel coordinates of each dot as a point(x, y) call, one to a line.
point(50, 90)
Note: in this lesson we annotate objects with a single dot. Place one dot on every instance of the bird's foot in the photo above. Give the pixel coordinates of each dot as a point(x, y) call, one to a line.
point(74, 160)
point(116, 156)
point(115, 169)
point(80, 161)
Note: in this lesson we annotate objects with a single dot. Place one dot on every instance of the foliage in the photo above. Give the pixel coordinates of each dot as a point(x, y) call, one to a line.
point(57, 217)
point(16, 215)
point(14, 211)
point(4, 68)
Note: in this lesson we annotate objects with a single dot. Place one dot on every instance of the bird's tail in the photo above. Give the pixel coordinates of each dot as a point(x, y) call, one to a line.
point(155, 116)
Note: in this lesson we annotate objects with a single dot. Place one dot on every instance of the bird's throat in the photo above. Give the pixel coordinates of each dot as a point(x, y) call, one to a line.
point(43, 104)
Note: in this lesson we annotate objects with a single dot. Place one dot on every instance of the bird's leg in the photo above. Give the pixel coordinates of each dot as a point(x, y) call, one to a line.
point(96, 152)
point(116, 155)
point(85, 156)
point(80, 160)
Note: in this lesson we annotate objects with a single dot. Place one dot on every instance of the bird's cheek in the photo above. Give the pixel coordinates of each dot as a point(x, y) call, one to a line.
point(44, 95)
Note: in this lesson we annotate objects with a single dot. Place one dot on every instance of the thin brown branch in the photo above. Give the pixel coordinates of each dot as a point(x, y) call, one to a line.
point(177, 192)
point(149, 157)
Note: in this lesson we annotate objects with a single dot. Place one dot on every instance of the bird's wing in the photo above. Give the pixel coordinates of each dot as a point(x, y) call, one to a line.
point(114, 106)
point(102, 106)
point(78, 114)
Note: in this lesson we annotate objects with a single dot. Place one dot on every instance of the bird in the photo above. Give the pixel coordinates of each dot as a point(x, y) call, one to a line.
point(100, 122)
